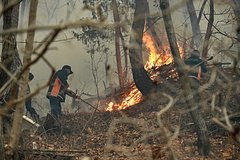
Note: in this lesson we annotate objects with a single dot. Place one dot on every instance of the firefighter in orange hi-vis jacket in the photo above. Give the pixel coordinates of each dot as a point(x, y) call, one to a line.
point(58, 89)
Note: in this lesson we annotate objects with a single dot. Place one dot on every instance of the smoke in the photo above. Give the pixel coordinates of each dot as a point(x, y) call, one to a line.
point(65, 49)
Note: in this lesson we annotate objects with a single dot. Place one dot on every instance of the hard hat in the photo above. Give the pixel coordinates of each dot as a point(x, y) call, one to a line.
point(30, 76)
point(68, 67)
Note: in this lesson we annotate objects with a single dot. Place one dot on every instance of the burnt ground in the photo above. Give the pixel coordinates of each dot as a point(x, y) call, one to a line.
point(136, 133)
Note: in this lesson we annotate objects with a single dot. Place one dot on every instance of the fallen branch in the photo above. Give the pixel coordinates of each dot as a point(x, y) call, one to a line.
point(51, 151)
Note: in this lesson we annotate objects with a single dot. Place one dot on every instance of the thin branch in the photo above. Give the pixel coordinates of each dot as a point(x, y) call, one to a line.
point(77, 24)
point(220, 32)
point(201, 11)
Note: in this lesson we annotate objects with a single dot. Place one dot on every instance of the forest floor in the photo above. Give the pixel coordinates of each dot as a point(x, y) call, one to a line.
point(139, 132)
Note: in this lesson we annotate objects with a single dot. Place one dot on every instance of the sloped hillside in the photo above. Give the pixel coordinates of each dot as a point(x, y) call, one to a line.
point(140, 132)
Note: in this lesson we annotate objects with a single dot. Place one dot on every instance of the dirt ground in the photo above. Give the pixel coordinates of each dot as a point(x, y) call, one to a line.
point(139, 133)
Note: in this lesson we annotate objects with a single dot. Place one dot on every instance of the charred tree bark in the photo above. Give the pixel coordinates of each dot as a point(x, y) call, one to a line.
point(117, 43)
point(140, 76)
point(209, 31)
point(201, 129)
point(197, 37)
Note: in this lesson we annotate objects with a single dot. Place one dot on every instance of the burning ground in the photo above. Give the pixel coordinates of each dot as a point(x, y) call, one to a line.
point(140, 131)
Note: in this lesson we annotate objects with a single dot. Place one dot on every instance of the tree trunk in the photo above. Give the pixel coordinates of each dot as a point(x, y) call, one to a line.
point(236, 9)
point(10, 57)
point(164, 4)
point(117, 43)
point(140, 76)
point(150, 25)
point(2, 152)
point(126, 53)
point(209, 31)
point(17, 121)
point(197, 37)
point(201, 11)
point(201, 129)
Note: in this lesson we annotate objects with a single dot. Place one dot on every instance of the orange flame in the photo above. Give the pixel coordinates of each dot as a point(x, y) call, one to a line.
point(134, 97)
point(155, 60)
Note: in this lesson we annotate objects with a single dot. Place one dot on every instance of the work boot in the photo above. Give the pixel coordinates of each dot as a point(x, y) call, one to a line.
point(203, 146)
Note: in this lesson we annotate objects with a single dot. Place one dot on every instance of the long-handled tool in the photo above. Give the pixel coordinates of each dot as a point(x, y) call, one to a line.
point(209, 59)
point(199, 69)
point(88, 103)
point(219, 64)
point(75, 96)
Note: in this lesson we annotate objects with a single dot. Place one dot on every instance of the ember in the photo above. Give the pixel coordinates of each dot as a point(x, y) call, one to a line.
point(155, 61)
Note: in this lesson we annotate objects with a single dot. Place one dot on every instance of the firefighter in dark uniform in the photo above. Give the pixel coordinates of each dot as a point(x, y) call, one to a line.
point(58, 89)
point(28, 102)
point(197, 67)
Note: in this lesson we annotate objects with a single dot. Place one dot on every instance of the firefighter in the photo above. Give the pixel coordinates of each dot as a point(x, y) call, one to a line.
point(197, 66)
point(58, 89)
point(28, 102)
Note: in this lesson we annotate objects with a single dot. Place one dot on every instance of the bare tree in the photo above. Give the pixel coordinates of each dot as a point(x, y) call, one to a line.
point(10, 59)
point(197, 37)
point(17, 121)
point(209, 31)
point(200, 125)
point(150, 26)
point(236, 9)
point(199, 44)
point(117, 43)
